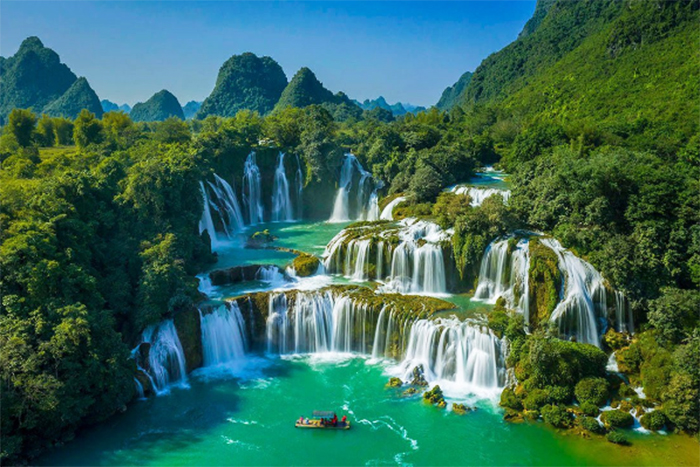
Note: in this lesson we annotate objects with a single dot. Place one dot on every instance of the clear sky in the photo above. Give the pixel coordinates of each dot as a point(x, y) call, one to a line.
point(405, 51)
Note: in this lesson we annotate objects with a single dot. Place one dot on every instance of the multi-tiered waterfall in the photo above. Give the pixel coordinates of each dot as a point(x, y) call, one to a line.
point(583, 307)
point(477, 195)
point(252, 191)
point(353, 177)
point(281, 201)
point(410, 253)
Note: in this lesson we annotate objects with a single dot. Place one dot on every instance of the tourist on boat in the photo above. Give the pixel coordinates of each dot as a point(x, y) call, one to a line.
point(335, 420)
point(344, 419)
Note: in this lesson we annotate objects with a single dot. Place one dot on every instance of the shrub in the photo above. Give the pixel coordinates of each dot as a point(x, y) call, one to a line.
point(556, 415)
point(591, 424)
point(509, 400)
point(559, 394)
point(593, 390)
point(617, 419)
point(617, 437)
point(535, 399)
point(653, 420)
point(590, 408)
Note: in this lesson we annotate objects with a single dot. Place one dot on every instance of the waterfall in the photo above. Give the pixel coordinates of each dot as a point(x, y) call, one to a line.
point(624, 321)
point(139, 389)
point(583, 298)
point(281, 201)
point(477, 195)
point(456, 351)
point(318, 322)
point(373, 207)
point(223, 335)
point(299, 184)
point(252, 191)
point(271, 275)
point(341, 206)
point(166, 359)
point(417, 263)
point(504, 273)
point(387, 212)
point(207, 222)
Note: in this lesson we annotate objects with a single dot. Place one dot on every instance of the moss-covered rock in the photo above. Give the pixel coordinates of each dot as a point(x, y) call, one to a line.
point(435, 397)
point(394, 383)
point(305, 265)
point(615, 340)
point(260, 239)
point(189, 331)
point(418, 377)
point(617, 419)
point(410, 391)
point(590, 409)
point(461, 409)
point(544, 283)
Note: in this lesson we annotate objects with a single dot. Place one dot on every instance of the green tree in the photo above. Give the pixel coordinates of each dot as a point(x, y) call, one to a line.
point(87, 129)
point(21, 124)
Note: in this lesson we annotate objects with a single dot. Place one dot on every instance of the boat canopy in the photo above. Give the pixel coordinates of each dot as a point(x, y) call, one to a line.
point(324, 414)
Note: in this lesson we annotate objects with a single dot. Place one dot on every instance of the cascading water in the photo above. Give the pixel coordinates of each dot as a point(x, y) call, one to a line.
point(299, 184)
point(281, 201)
point(504, 273)
point(456, 351)
point(166, 359)
point(416, 264)
point(207, 222)
point(252, 191)
point(341, 206)
point(223, 335)
point(388, 211)
point(372, 208)
point(477, 195)
point(583, 302)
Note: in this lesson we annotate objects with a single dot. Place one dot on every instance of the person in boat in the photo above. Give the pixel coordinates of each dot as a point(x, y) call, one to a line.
point(344, 419)
point(335, 420)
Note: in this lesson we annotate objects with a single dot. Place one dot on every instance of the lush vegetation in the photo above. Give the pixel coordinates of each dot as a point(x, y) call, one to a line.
point(161, 106)
point(78, 97)
point(451, 95)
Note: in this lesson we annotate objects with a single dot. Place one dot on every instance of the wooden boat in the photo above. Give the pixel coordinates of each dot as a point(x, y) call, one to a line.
point(317, 422)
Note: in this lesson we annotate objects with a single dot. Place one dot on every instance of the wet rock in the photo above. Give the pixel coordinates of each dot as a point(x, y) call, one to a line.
point(419, 377)
point(394, 383)
point(435, 397)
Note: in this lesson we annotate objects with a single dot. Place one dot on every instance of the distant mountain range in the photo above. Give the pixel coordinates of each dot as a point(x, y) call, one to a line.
point(245, 81)
point(397, 109)
point(109, 106)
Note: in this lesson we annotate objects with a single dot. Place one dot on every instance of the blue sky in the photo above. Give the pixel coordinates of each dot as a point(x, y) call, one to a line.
point(405, 51)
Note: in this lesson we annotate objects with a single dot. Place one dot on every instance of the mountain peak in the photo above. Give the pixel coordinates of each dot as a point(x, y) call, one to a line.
point(245, 81)
point(160, 106)
point(78, 97)
point(30, 43)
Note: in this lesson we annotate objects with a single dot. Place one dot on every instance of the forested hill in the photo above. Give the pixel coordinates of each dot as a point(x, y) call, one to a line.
point(616, 68)
point(245, 82)
point(160, 106)
point(35, 77)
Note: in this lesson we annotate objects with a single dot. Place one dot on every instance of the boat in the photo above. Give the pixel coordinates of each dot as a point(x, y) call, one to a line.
point(317, 421)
